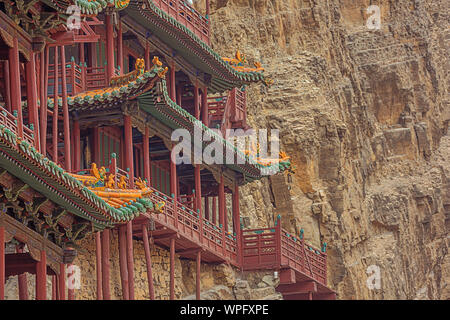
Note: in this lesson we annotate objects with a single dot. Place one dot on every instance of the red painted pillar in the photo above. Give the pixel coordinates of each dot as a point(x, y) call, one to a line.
point(106, 264)
point(32, 98)
point(146, 150)
point(222, 210)
point(54, 288)
point(130, 259)
point(205, 111)
point(196, 101)
point(83, 68)
point(207, 208)
point(198, 199)
point(237, 221)
point(109, 47)
point(2, 263)
point(98, 255)
point(179, 92)
point(41, 277)
point(120, 47)
point(214, 210)
point(123, 261)
point(62, 281)
point(172, 269)
point(7, 85)
point(76, 145)
point(147, 56)
point(128, 133)
point(14, 73)
point(148, 260)
point(22, 279)
point(55, 111)
point(43, 103)
point(198, 275)
point(174, 189)
point(65, 106)
point(172, 82)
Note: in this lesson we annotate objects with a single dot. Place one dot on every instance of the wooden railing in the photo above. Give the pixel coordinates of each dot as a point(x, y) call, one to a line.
point(74, 79)
point(9, 120)
point(275, 248)
point(186, 15)
point(229, 111)
point(95, 78)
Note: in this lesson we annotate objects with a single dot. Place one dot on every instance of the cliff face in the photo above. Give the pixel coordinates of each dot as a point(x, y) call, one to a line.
point(364, 116)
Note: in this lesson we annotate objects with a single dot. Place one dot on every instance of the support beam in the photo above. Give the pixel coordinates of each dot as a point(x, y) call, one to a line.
point(65, 107)
point(98, 255)
point(43, 107)
point(32, 97)
point(41, 277)
point(62, 281)
point(109, 47)
point(14, 73)
point(237, 220)
point(55, 109)
point(146, 150)
point(147, 56)
point(130, 259)
point(2, 263)
point(287, 276)
point(198, 275)
point(76, 145)
point(172, 82)
point(7, 85)
point(205, 110)
point(298, 288)
point(120, 47)
point(207, 217)
point(196, 101)
point(106, 264)
point(54, 288)
point(148, 260)
point(128, 134)
point(214, 210)
point(172, 269)
point(22, 278)
point(123, 261)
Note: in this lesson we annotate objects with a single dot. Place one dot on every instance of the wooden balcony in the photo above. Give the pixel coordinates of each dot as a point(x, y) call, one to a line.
point(274, 248)
point(228, 111)
point(186, 15)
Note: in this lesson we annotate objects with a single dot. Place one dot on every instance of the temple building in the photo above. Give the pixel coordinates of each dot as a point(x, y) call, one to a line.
point(91, 92)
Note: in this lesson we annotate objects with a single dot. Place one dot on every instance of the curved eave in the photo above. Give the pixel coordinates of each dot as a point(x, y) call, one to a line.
point(189, 45)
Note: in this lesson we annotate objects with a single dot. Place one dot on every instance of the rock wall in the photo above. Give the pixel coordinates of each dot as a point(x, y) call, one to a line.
point(364, 116)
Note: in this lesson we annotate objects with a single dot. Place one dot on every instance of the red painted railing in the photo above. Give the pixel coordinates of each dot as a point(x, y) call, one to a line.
point(9, 120)
point(74, 78)
point(229, 111)
point(186, 15)
point(275, 248)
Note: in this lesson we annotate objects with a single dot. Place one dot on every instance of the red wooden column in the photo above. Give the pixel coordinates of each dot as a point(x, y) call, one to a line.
point(105, 264)
point(123, 261)
point(14, 73)
point(205, 111)
point(32, 98)
point(147, 56)
point(130, 259)
point(2, 263)
point(173, 90)
point(62, 281)
point(148, 260)
point(198, 198)
point(22, 279)
point(146, 150)
point(76, 145)
point(65, 106)
point(174, 188)
point(120, 47)
point(214, 210)
point(128, 133)
point(237, 220)
point(7, 85)
point(198, 275)
point(54, 288)
point(207, 217)
point(222, 209)
point(109, 47)
point(172, 269)
point(41, 277)
point(55, 111)
point(179, 89)
point(98, 255)
point(43, 102)
point(196, 101)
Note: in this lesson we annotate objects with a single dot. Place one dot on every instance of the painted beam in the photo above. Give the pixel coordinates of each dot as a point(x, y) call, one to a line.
point(297, 288)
